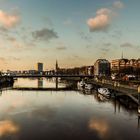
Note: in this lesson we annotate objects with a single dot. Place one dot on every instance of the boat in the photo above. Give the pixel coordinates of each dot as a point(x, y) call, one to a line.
point(104, 91)
point(81, 84)
point(88, 86)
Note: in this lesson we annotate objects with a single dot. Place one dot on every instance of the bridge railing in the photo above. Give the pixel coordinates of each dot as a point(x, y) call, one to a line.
point(116, 84)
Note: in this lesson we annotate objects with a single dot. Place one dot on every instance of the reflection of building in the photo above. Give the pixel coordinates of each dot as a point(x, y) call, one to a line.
point(40, 67)
point(102, 67)
point(40, 82)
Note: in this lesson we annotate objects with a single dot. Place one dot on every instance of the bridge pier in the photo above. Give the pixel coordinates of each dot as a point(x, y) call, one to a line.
point(56, 82)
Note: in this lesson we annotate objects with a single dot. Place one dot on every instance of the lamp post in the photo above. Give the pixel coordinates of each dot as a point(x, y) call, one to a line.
point(139, 100)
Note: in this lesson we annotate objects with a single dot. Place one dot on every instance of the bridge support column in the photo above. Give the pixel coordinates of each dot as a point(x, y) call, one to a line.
point(56, 83)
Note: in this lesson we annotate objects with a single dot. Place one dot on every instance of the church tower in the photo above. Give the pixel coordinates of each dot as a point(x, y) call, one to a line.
point(56, 67)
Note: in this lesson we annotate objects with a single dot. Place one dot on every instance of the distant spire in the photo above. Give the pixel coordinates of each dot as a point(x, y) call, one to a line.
point(56, 66)
point(122, 54)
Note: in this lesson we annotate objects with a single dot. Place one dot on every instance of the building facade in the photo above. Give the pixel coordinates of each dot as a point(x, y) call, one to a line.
point(40, 67)
point(126, 66)
point(102, 67)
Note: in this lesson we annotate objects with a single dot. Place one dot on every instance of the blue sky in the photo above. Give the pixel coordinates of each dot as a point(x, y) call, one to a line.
point(75, 32)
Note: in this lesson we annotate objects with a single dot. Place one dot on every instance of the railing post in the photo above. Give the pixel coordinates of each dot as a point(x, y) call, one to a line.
point(138, 103)
point(139, 94)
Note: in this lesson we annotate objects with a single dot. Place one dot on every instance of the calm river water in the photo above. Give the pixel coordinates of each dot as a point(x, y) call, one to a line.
point(64, 115)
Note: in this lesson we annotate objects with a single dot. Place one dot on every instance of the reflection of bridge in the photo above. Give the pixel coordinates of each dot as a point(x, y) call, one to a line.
point(49, 76)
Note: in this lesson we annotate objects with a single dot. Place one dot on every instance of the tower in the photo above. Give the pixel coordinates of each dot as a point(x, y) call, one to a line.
point(56, 67)
point(39, 67)
point(122, 55)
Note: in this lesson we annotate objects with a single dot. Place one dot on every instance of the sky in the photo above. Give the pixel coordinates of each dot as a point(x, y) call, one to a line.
point(73, 32)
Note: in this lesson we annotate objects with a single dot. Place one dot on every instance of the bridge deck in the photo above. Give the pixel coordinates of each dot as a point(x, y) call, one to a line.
point(47, 76)
point(41, 89)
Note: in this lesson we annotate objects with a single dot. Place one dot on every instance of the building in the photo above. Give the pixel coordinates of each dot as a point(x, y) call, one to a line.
point(119, 64)
point(125, 66)
point(102, 67)
point(57, 69)
point(40, 67)
point(90, 70)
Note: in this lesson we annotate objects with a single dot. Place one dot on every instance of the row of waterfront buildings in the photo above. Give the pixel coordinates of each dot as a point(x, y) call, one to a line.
point(101, 67)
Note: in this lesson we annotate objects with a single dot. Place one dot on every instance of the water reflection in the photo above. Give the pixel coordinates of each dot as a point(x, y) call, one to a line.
point(40, 82)
point(8, 127)
point(69, 115)
point(100, 126)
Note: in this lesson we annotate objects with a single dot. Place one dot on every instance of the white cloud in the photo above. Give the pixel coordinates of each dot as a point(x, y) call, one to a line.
point(103, 17)
point(100, 22)
point(7, 20)
point(103, 11)
point(118, 5)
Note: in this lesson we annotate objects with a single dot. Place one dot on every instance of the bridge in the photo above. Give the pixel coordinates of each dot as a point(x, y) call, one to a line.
point(48, 76)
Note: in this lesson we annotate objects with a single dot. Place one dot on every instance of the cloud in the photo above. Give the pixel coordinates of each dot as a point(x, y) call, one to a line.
point(103, 18)
point(60, 48)
point(85, 37)
point(103, 11)
point(127, 45)
point(44, 34)
point(7, 20)
point(12, 39)
point(105, 49)
point(48, 21)
point(3, 29)
point(100, 22)
point(14, 58)
point(107, 44)
point(118, 5)
point(16, 44)
point(117, 34)
point(68, 22)
point(2, 59)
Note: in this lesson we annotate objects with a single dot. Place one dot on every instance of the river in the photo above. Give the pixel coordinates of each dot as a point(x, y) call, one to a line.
point(64, 115)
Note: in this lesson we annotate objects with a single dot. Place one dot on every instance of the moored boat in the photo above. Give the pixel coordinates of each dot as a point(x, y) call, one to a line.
point(81, 84)
point(104, 91)
point(88, 86)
